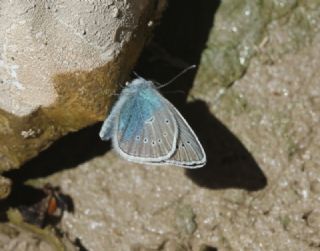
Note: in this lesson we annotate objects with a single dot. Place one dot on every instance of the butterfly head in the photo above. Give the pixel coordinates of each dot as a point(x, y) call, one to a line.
point(138, 83)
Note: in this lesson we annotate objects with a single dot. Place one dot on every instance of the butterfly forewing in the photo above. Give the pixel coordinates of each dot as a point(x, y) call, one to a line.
point(107, 126)
point(146, 129)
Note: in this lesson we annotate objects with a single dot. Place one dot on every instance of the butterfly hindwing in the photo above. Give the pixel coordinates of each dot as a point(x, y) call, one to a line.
point(189, 152)
point(146, 129)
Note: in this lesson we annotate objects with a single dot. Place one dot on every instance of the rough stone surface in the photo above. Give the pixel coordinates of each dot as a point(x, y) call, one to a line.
point(255, 106)
point(42, 39)
point(60, 64)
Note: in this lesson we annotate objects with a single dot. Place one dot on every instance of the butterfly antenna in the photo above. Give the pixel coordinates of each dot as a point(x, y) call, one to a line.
point(136, 74)
point(181, 73)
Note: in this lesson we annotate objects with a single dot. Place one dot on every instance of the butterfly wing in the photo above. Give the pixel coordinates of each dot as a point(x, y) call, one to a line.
point(189, 152)
point(146, 130)
point(107, 126)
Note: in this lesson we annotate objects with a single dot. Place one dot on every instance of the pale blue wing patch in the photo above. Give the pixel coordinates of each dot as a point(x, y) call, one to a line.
point(107, 127)
point(146, 128)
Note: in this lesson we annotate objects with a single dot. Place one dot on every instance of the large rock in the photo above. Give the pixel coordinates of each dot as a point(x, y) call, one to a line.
point(60, 64)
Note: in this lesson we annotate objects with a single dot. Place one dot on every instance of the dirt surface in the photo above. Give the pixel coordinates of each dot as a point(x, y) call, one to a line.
point(258, 121)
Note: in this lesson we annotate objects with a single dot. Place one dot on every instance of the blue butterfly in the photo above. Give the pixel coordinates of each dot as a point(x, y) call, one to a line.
point(146, 128)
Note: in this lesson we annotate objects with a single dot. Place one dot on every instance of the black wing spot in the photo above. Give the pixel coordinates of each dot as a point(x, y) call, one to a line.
point(137, 138)
point(167, 121)
point(145, 140)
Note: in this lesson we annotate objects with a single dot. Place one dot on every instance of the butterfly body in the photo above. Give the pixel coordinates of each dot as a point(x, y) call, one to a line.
point(146, 128)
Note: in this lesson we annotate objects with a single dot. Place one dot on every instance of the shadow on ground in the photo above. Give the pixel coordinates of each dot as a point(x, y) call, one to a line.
point(178, 43)
point(229, 165)
point(65, 153)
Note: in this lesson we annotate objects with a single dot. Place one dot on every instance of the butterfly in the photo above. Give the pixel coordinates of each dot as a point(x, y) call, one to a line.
point(146, 128)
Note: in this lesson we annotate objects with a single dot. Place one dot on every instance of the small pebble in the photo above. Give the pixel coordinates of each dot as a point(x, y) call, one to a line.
point(185, 219)
point(313, 219)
